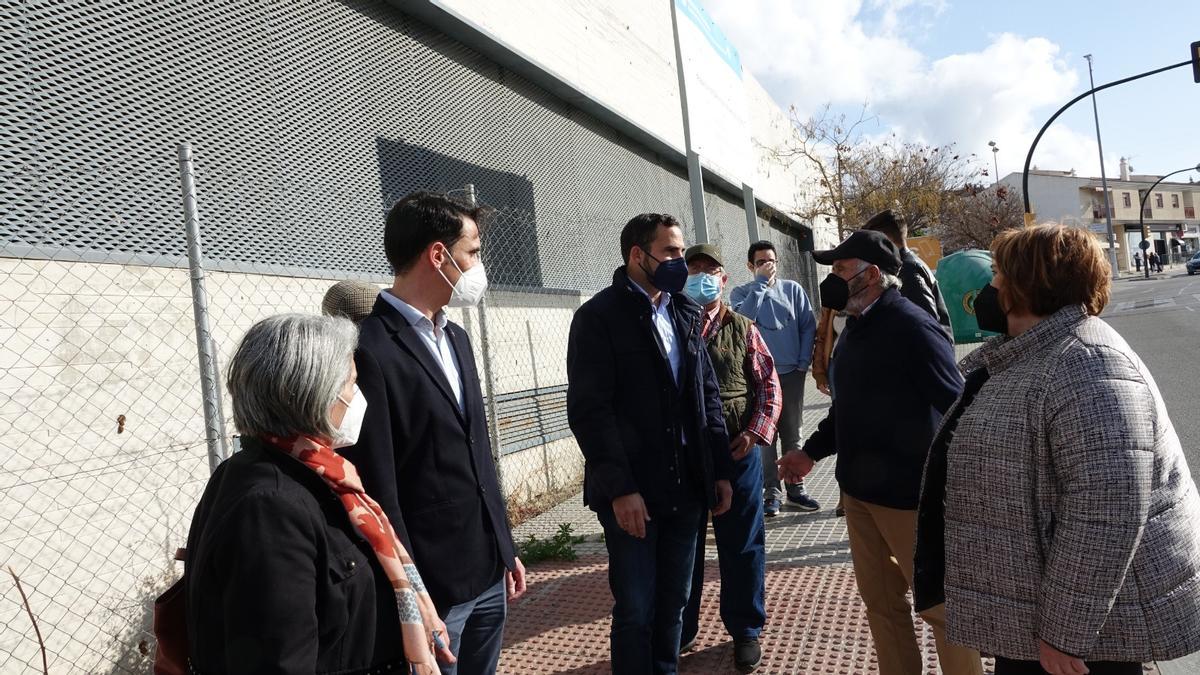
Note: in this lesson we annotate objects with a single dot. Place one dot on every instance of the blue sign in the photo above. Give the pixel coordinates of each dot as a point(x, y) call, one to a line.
point(720, 44)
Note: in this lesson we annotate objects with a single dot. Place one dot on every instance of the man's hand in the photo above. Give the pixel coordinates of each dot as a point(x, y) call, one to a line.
point(1058, 663)
point(765, 272)
point(794, 466)
point(514, 580)
point(631, 514)
point(742, 444)
point(724, 497)
point(823, 387)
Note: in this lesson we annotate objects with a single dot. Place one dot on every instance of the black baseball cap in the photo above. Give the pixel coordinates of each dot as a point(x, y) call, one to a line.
point(873, 247)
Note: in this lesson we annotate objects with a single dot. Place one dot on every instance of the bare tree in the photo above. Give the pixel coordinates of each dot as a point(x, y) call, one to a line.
point(977, 214)
point(827, 144)
point(857, 177)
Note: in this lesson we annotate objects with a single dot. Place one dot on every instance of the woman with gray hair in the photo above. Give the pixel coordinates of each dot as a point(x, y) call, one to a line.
point(291, 566)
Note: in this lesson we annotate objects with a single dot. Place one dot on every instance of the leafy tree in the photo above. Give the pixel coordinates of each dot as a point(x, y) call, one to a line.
point(977, 214)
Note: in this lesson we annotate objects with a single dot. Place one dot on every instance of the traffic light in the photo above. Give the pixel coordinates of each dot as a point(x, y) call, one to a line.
point(1196, 61)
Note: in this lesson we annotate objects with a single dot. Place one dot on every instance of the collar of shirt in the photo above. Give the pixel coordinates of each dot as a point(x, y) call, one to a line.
point(710, 319)
point(664, 298)
point(868, 307)
point(414, 316)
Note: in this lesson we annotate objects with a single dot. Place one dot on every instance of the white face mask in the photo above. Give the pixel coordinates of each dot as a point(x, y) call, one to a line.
point(351, 426)
point(470, 287)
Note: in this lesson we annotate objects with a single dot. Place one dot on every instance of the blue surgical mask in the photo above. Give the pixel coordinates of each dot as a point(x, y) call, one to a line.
point(703, 288)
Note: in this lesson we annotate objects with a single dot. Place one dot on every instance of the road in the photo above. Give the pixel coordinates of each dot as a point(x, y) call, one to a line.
point(1160, 318)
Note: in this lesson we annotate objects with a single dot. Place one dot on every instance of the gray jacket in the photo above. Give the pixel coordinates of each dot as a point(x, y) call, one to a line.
point(1070, 512)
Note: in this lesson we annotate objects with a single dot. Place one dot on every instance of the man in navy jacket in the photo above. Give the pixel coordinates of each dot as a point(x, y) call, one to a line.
point(892, 377)
point(424, 452)
point(643, 403)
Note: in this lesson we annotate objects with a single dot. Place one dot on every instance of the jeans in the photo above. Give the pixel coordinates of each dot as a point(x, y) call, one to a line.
point(476, 629)
point(650, 579)
point(741, 556)
point(791, 419)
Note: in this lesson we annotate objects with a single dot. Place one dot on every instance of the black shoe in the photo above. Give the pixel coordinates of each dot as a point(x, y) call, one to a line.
point(839, 511)
point(688, 645)
point(747, 655)
point(797, 496)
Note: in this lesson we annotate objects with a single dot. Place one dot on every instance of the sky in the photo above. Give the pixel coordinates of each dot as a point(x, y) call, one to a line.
point(972, 71)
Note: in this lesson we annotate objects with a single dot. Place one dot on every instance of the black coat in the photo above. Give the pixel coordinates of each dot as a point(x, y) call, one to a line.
point(892, 376)
point(920, 287)
point(277, 578)
point(626, 411)
point(428, 464)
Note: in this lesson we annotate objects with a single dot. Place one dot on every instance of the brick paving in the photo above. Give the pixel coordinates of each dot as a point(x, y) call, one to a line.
point(816, 622)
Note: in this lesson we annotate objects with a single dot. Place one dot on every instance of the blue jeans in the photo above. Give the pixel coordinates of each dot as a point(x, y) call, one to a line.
point(650, 579)
point(741, 556)
point(476, 629)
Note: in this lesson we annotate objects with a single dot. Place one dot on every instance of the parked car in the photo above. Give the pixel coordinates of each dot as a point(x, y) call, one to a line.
point(1193, 265)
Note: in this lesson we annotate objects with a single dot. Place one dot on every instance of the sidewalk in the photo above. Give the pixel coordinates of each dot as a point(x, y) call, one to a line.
point(816, 622)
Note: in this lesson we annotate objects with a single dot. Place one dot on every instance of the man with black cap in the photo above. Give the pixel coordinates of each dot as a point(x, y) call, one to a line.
point(751, 400)
point(892, 377)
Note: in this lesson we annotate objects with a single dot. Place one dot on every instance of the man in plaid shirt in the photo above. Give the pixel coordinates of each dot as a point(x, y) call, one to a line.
point(752, 400)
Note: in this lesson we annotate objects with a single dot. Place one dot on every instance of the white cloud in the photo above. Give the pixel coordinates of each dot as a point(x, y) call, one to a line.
point(811, 53)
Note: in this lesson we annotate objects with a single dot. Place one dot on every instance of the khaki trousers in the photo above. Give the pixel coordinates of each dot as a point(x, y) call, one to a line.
point(881, 544)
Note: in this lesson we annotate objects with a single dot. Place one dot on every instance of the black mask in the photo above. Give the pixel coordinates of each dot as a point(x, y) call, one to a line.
point(988, 313)
point(670, 275)
point(835, 291)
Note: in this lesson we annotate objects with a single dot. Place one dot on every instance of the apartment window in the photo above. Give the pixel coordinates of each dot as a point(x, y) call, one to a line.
point(1125, 199)
point(1174, 201)
point(1158, 200)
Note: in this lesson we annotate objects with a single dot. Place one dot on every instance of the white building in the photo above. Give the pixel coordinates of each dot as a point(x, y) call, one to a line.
point(1170, 219)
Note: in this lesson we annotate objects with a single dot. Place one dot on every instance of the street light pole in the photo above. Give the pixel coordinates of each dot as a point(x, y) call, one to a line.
point(995, 164)
point(1112, 239)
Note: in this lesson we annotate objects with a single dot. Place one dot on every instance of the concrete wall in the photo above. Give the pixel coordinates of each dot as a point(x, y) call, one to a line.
point(619, 52)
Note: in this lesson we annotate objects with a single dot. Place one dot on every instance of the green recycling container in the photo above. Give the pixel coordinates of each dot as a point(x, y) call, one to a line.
point(960, 276)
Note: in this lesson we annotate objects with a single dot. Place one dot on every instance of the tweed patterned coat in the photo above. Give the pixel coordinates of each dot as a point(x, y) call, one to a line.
point(1070, 512)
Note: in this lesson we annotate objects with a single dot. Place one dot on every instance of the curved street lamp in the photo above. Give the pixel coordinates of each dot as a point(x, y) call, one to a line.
point(1142, 210)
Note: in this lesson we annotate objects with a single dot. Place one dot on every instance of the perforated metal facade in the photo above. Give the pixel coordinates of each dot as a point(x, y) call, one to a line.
point(308, 119)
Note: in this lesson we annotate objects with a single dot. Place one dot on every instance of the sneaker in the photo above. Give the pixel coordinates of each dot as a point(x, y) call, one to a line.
point(688, 645)
point(747, 655)
point(798, 497)
point(770, 507)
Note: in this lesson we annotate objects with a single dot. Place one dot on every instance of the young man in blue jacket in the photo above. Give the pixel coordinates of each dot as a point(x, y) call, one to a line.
point(643, 403)
point(783, 314)
point(893, 376)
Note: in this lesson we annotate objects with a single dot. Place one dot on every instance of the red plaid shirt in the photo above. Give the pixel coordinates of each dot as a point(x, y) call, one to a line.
point(760, 370)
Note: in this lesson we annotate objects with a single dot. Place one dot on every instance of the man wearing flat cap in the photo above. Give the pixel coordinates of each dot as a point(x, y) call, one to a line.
point(751, 400)
point(892, 377)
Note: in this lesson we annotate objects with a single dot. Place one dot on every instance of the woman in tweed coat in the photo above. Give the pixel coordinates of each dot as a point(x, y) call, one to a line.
point(1058, 515)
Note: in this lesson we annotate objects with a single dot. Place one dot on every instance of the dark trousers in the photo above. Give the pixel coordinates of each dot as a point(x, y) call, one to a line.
point(1011, 667)
point(476, 629)
point(741, 556)
point(650, 579)
point(790, 430)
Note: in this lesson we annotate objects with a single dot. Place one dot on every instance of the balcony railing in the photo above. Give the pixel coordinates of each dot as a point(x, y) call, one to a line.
point(1147, 212)
point(1189, 212)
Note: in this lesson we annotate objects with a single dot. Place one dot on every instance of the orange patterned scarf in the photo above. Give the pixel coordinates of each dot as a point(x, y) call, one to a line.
point(412, 599)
